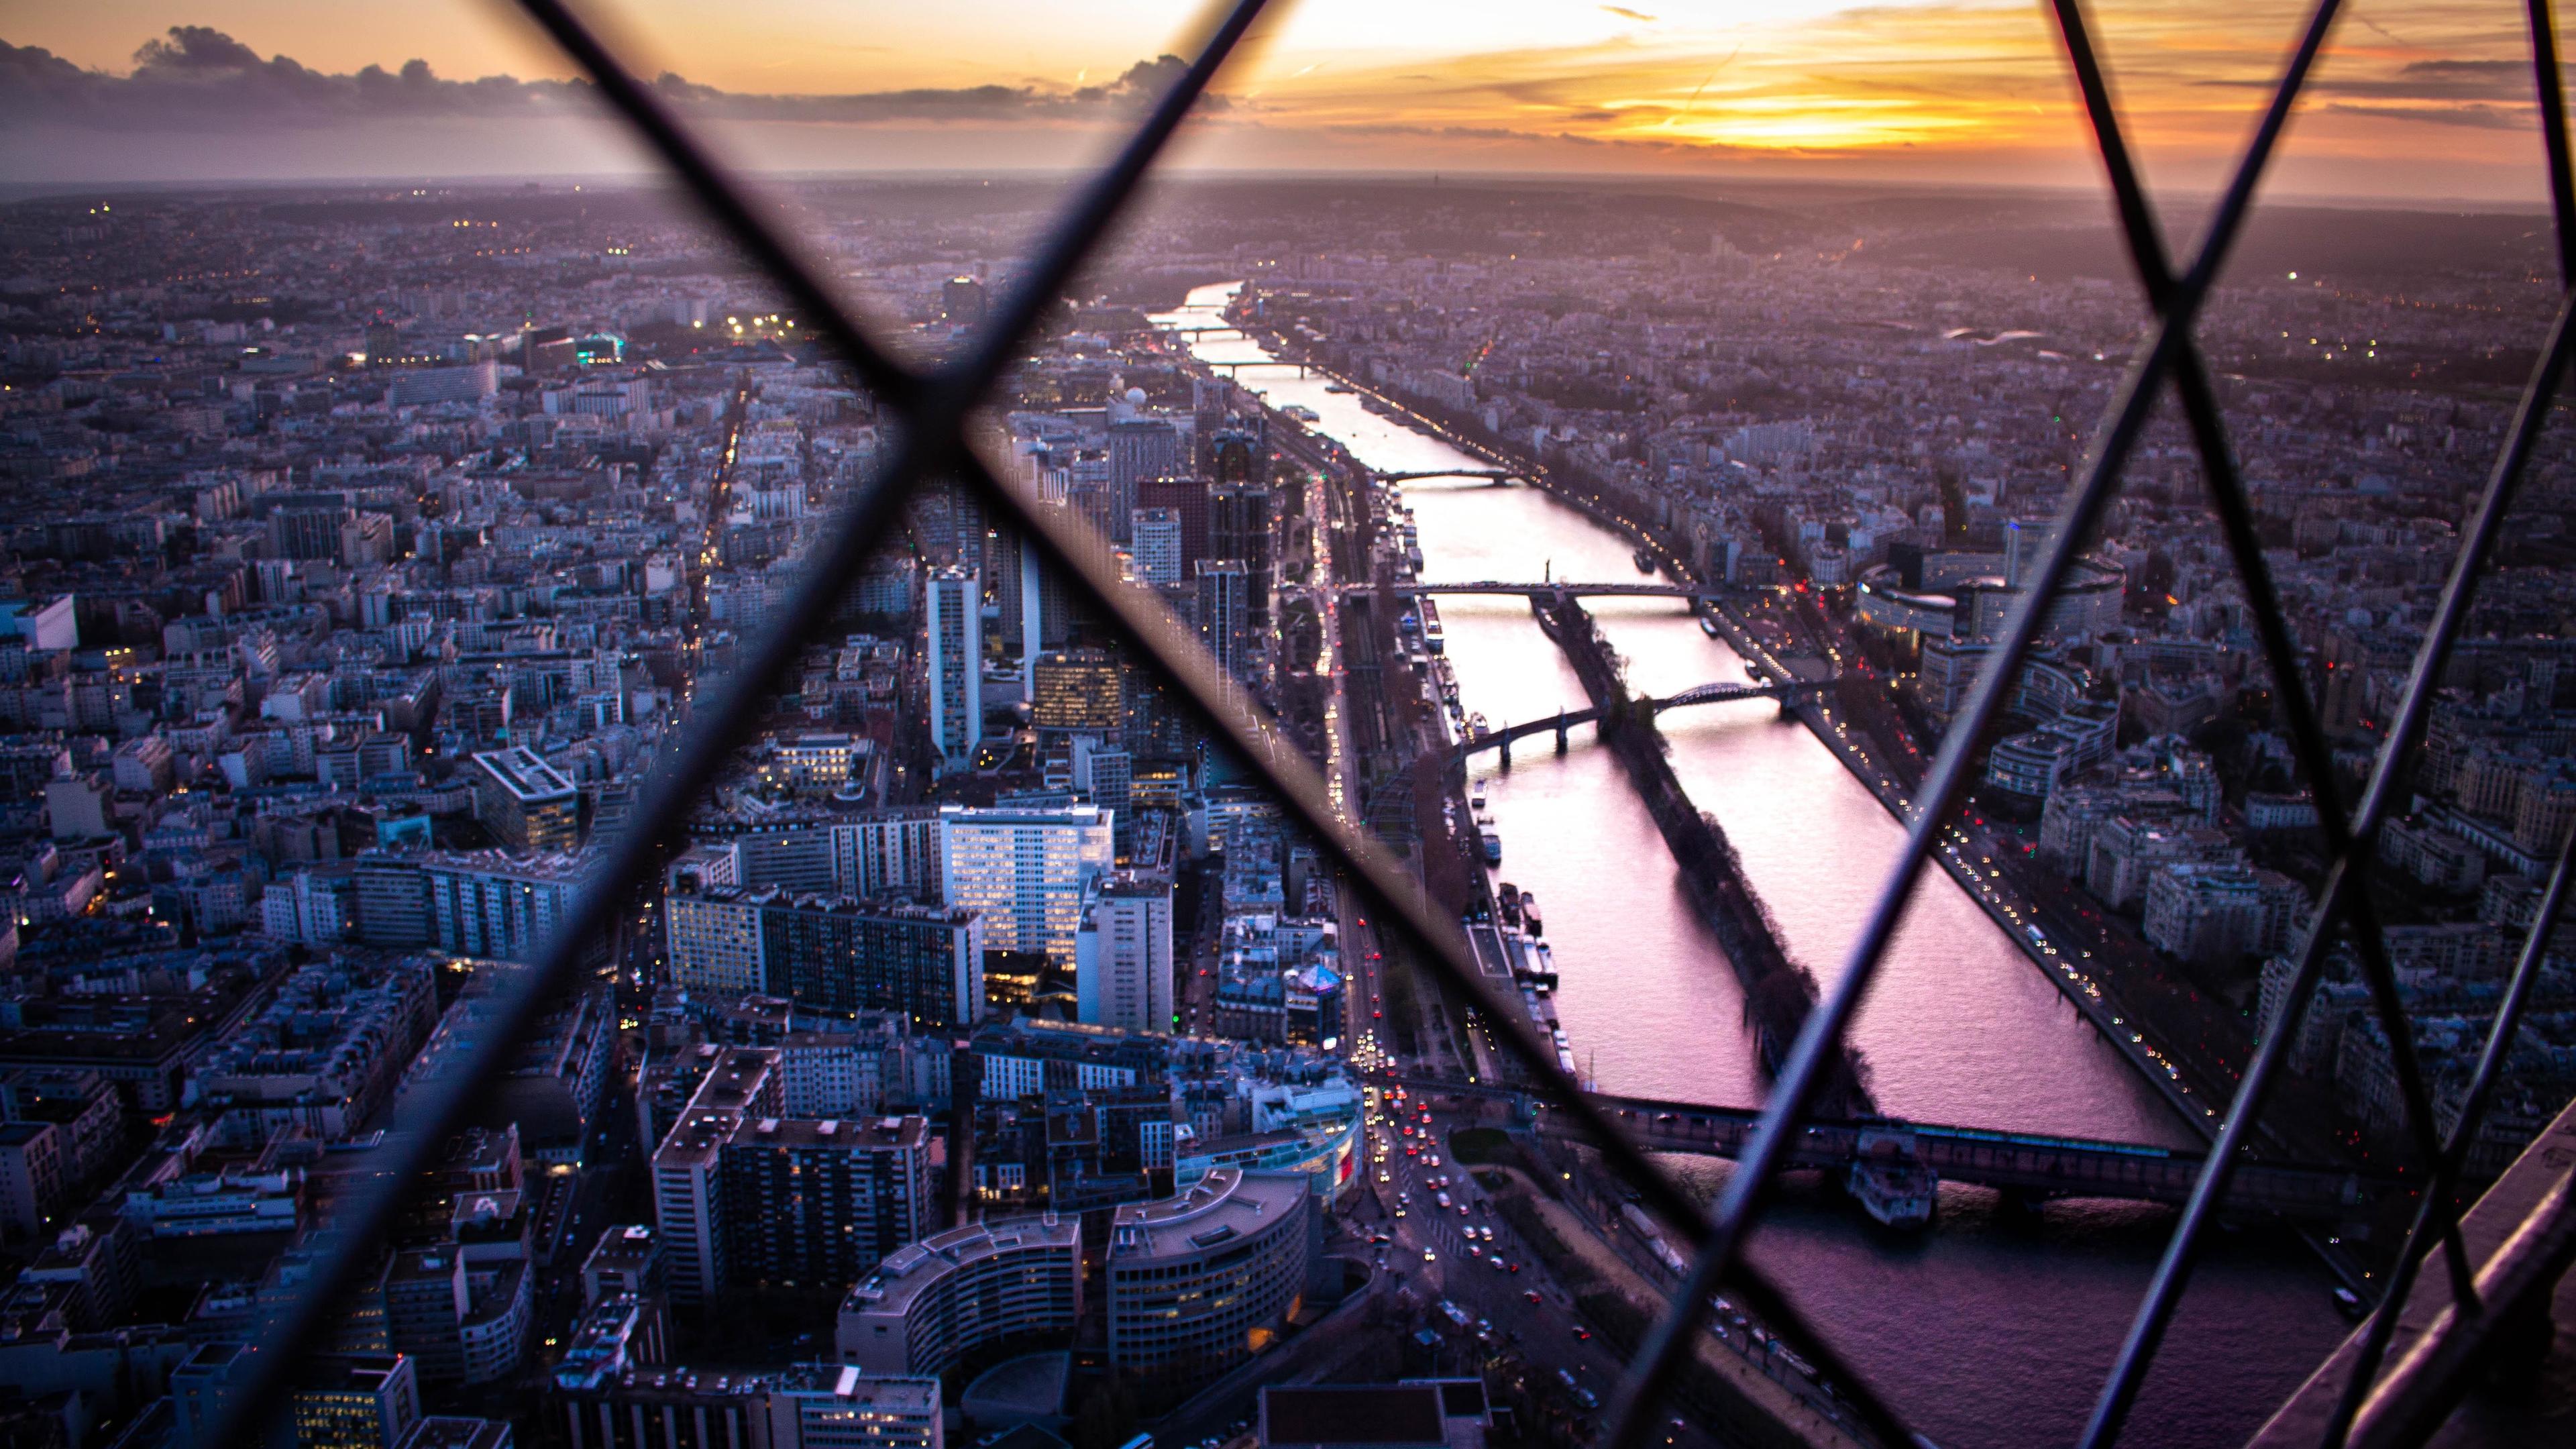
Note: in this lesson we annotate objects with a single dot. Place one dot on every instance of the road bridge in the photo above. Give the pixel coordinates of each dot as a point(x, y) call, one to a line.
point(1720, 692)
point(2031, 1165)
point(1542, 591)
point(1498, 475)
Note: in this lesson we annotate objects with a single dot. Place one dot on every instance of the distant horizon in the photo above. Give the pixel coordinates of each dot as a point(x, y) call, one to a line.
point(1898, 92)
point(2180, 198)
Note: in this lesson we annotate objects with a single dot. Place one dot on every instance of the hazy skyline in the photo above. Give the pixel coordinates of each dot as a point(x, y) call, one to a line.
point(2431, 102)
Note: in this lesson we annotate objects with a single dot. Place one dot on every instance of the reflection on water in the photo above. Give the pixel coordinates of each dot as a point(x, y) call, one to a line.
point(1992, 1329)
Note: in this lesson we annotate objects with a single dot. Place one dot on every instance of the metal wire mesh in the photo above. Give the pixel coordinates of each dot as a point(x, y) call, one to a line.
point(935, 410)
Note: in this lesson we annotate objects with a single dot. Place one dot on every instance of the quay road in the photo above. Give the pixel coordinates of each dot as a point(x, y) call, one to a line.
point(1467, 1254)
point(2028, 1164)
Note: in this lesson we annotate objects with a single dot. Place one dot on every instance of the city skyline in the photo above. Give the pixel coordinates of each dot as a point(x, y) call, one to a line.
point(2431, 108)
point(1390, 808)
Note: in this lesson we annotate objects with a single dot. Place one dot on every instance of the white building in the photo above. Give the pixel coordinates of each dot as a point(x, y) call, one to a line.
point(823, 1407)
point(935, 1301)
point(1197, 1282)
point(1157, 546)
point(955, 610)
point(1123, 957)
point(713, 938)
point(1026, 872)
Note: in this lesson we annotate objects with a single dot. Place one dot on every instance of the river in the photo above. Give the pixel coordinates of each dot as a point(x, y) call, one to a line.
point(1992, 1328)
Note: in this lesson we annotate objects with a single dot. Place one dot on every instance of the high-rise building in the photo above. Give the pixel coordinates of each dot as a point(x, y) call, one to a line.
point(647, 1406)
point(1240, 527)
point(932, 1303)
point(1078, 690)
point(1139, 449)
point(954, 607)
point(1123, 956)
point(307, 525)
point(1234, 455)
point(712, 937)
point(1156, 543)
point(488, 905)
point(1025, 600)
point(355, 1400)
point(1225, 613)
point(888, 853)
point(743, 1195)
point(1106, 777)
point(1188, 497)
point(962, 302)
point(818, 763)
point(841, 957)
point(1025, 872)
point(831, 955)
point(526, 803)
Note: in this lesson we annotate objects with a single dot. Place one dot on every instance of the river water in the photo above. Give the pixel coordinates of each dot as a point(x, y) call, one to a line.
point(1992, 1328)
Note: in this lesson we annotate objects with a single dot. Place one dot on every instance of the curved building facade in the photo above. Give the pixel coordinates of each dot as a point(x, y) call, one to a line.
point(1199, 1281)
point(932, 1302)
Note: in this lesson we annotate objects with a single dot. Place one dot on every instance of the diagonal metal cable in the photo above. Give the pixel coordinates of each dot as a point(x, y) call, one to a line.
point(2230, 500)
point(1819, 1040)
point(2405, 732)
point(2440, 1208)
point(2548, 83)
point(1152, 629)
point(2351, 846)
point(437, 1103)
point(945, 399)
point(1144, 622)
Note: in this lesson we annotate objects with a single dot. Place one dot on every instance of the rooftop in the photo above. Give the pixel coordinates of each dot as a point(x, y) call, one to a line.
point(1225, 1204)
point(915, 1266)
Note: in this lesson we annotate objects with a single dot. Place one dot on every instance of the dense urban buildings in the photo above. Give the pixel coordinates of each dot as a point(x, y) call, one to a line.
point(988, 1047)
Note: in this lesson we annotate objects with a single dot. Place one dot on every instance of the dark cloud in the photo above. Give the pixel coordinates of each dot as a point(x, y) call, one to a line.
point(2427, 81)
point(2480, 117)
point(197, 77)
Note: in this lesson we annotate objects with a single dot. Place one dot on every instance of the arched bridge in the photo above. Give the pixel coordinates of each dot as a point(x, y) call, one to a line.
point(2029, 1164)
point(1655, 590)
point(1720, 692)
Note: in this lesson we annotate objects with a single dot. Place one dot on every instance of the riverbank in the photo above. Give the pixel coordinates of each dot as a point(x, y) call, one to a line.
point(1778, 993)
point(2195, 1111)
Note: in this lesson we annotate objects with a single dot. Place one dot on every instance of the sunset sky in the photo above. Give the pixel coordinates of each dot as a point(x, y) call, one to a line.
point(2430, 100)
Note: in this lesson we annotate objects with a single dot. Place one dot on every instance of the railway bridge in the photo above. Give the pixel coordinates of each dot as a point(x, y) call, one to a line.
point(2029, 1165)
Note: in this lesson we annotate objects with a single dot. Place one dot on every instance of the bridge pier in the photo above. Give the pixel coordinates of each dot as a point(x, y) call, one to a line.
point(1506, 748)
point(2020, 1202)
point(1560, 731)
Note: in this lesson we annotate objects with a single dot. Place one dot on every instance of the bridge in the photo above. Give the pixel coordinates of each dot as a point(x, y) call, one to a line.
point(2029, 1165)
point(1720, 692)
point(1541, 591)
point(1499, 475)
point(1237, 367)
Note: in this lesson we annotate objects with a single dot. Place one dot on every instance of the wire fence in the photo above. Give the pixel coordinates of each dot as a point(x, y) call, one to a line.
point(935, 412)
